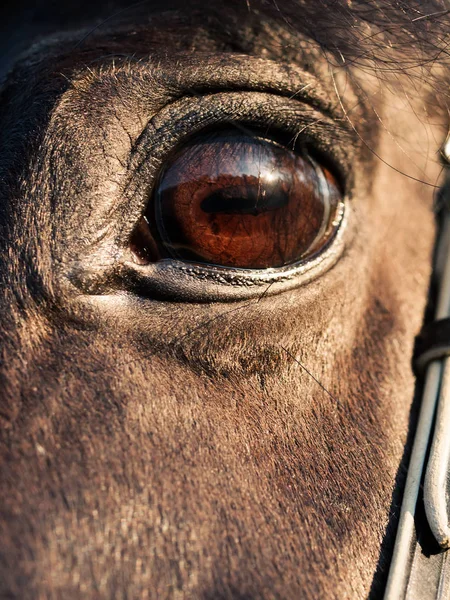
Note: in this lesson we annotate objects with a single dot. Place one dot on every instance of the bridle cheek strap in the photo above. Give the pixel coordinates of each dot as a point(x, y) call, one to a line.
point(425, 505)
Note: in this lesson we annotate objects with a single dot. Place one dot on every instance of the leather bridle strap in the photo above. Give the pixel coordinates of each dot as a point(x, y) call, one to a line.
point(420, 566)
point(433, 343)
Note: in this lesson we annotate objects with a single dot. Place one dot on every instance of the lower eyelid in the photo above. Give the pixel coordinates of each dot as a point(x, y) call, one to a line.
point(173, 280)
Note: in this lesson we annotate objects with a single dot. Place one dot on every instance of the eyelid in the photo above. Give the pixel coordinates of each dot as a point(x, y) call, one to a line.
point(190, 115)
point(163, 134)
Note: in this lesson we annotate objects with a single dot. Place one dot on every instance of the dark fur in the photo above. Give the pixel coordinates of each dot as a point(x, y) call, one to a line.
point(155, 449)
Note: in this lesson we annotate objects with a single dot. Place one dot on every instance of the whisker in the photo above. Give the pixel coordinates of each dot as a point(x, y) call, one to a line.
point(206, 322)
point(368, 146)
point(336, 400)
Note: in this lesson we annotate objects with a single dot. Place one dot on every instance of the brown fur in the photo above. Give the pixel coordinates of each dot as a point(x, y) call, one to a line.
point(155, 449)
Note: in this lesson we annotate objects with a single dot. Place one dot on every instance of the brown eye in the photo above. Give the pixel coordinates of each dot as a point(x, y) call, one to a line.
point(238, 200)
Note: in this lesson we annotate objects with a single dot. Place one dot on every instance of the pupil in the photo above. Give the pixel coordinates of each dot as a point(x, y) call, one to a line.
point(255, 201)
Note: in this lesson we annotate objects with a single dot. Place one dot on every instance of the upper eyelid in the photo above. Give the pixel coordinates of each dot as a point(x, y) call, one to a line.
point(206, 73)
point(234, 73)
point(341, 147)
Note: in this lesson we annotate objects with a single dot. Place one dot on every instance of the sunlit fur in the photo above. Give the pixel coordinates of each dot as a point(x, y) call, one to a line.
point(155, 449)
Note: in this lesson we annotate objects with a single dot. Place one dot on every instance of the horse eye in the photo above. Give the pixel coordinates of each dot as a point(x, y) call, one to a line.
point(237, 200)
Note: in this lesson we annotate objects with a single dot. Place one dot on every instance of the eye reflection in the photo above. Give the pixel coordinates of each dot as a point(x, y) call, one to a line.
point(237, 200)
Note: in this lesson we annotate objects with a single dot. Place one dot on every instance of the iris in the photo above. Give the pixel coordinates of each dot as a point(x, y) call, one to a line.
point(241, 200)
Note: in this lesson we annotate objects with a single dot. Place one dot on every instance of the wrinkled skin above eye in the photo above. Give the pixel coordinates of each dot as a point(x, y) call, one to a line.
point(237, 200)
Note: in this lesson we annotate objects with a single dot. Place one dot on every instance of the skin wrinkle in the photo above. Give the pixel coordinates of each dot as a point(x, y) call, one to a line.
point(157, 449)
